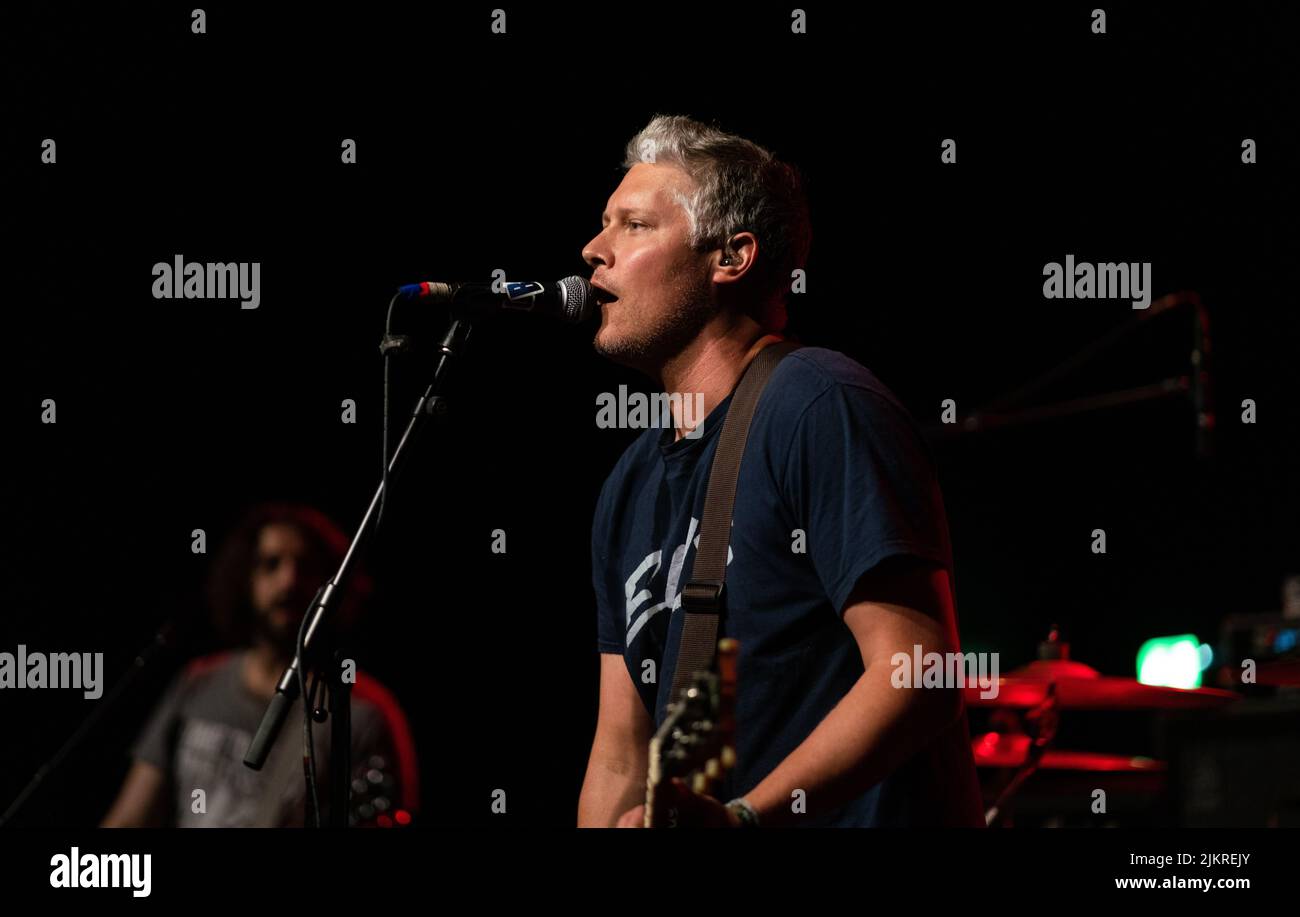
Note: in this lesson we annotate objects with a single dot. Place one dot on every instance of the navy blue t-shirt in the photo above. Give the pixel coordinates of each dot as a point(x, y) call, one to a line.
point(831, 454)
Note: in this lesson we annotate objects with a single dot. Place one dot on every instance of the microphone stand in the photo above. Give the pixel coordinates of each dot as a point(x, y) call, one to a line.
point(315, 655)
point(1043, 720)
point(163, 641)
point(997, 415)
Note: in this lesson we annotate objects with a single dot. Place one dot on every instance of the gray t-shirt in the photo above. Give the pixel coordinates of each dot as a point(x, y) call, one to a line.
point(200, 731)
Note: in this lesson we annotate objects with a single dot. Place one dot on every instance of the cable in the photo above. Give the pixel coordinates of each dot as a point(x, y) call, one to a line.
point(309, 739)
point(389, 344)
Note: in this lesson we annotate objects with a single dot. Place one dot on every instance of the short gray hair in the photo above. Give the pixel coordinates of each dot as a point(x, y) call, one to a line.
point(739, 187)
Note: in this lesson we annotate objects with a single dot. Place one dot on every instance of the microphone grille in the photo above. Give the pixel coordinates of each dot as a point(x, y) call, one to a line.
point(577, 300)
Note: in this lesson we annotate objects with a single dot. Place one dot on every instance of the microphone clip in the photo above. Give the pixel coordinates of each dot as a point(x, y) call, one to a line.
point(396, 343)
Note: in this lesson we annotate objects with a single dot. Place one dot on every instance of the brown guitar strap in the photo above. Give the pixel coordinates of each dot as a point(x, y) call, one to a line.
point(702, 596)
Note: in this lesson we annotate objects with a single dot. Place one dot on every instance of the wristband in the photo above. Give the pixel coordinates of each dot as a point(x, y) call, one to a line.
point(744, 811)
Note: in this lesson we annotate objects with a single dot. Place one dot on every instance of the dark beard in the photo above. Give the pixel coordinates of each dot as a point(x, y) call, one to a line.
point(284, 642)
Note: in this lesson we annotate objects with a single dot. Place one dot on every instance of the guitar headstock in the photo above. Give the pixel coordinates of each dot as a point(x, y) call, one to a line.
point(696, 740)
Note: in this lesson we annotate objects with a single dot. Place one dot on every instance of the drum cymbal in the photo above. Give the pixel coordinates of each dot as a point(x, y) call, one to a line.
point(1003, 750)
point(1080, 687)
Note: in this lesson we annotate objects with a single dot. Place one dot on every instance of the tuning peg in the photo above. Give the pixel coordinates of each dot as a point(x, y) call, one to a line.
point(713, 768)
point(699, 783)
point(728, 757)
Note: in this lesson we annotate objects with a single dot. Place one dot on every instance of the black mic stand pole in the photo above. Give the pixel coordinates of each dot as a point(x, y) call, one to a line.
point(314, 655)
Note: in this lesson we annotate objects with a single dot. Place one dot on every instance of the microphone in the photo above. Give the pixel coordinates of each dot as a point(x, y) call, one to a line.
point(570, 300)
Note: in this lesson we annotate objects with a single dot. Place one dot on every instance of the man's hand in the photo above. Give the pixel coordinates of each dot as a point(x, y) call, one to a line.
point(616, 769)
point(685, 810)
point(876, 727)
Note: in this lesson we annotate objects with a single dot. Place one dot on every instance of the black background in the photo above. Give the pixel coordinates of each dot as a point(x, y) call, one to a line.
point(478, 152)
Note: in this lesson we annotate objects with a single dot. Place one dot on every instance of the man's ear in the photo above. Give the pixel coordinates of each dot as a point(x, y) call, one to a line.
point(737, 256)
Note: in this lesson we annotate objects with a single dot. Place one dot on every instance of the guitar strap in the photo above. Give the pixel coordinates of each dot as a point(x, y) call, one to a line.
point(702, 596)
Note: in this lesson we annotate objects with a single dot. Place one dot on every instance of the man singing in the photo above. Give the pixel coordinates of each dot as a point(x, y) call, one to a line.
point(839, 553)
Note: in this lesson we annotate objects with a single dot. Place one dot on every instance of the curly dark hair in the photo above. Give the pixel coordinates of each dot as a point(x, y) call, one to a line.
point(230, 577)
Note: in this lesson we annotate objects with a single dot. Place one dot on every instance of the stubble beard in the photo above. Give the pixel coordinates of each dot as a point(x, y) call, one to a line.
point(652, 344)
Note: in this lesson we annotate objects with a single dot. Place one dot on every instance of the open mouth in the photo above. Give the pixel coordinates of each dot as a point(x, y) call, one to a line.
point(603, 296)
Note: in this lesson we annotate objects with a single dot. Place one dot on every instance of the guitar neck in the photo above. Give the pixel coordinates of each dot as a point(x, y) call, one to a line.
point(696, 740)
